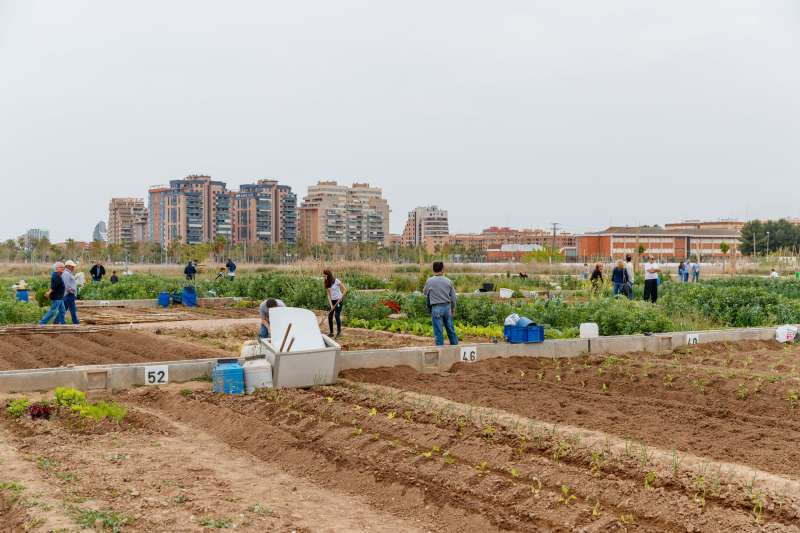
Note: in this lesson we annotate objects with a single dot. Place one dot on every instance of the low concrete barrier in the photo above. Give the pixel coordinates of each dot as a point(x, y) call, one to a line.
point(422, 359)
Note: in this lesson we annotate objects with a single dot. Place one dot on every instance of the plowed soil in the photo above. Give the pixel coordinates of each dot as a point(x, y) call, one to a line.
point(706, 400)
point(344, 459)
point(118, 346)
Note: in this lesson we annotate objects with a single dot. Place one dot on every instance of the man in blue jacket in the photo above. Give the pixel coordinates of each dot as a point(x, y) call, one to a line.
point(57, 289)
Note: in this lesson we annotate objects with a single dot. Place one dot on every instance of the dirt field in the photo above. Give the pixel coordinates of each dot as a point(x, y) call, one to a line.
point(348, 458)
point(118, 346)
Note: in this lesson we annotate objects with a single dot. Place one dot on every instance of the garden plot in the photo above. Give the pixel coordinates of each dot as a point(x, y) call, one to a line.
point(361, 456)
point(107, 347)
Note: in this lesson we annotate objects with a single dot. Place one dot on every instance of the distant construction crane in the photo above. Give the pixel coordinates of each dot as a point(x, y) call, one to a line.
point(555, 230)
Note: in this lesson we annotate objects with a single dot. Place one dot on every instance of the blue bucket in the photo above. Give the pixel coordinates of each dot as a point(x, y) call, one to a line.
point(228, 377)
point(189, 296)
point(22, 296)
point(163, 299)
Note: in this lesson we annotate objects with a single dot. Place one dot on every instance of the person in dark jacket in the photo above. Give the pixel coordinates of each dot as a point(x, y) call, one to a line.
point(619, 279)
point(114, 278)
point(231, 266)
point(190, 271)
point(57, 289)
point(97, 271)
point(597, 278)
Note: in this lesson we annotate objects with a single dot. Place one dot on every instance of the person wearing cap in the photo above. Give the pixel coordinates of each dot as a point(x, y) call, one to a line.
point(56, 295)
point(70, 290)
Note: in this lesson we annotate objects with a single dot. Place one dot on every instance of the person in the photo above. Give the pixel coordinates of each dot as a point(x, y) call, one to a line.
point(441, 296)
point(231, 266)
point(56, 294)
point(681, 271)
point(114, 278)
point(629, 270)
point(597, 278)
point(651, 270)
point(70, 290)
point(686, 273)
point(190, 271)
point(97, 272)
point(263, 311)
point(336, 292)
point(585, 273)
point(774, 274)
point(695, 271)
point(619, 277)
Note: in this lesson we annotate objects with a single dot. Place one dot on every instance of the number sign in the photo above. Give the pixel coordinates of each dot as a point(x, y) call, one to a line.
point(469, 354)
point(156, 375)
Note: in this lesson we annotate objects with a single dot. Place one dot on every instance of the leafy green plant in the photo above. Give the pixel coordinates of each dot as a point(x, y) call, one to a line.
point(567, 495)
point(17, 407)
point(101, 410)
point(649, 479)
point(68, 397)
point(105, 518)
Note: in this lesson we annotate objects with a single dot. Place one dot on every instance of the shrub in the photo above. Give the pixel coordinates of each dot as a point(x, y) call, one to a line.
point(17, 407)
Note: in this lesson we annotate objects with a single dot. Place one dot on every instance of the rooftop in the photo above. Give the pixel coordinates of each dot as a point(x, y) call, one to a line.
point(659, 231)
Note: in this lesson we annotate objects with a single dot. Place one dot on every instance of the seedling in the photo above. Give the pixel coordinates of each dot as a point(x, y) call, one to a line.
point(106, 518)
point(668, 380)
point(625, 519)
point(427, 455)
point(540, 376)
point(598, 461)
point(186, 392)
point(448, 459)
point(567, 496)
point(357, 431)
point(373, 411)
point(489, 432)
point(649, 479)
point(514, 472)
point(605, 388)
point(675, 462)
point(759, 501)
point(596, 511)
point(329, 399)
point(742, 392)
point(792, 398)
point(391, 415)
point(259, 509)
point(482, 466)
point(561, 451)
point(536, 487)
point(216, 523)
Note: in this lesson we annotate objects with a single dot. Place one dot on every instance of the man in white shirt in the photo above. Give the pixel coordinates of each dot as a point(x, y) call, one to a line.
point(774, 274)
point(651, 270)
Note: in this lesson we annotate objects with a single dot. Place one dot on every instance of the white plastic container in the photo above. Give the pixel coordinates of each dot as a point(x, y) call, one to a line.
point(589, 330)
point(257, 375)
point(506, 293)
point(785, 333)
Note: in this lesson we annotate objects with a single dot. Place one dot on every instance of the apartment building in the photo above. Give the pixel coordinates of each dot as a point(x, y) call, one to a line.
point(426, 226)
point(198, 209)
point(127, 220)
point(663, 244)
point(333, 213)
point(266, 212)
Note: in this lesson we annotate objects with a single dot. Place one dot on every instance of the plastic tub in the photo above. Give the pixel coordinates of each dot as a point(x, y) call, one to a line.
point(257, 375)
point(520, 335)
point(506, 293)
point(228, 377)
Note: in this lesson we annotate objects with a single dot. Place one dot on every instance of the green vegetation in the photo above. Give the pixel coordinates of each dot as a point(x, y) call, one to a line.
point(68, 397)
point(101, 410)
point(13, 312)
point(104, 519)
point(17, 407)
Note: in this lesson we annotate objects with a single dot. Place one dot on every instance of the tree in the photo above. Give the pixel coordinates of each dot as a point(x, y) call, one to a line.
point(782, 235)
point(724, 247)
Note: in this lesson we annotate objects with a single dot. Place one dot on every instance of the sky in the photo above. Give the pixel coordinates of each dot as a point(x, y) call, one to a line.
point(510, 113)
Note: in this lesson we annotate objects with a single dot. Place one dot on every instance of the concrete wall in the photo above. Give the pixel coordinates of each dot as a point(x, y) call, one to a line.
point(422, 359)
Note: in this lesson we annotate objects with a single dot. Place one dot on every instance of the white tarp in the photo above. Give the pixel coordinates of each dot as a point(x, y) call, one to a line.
point(304, 330)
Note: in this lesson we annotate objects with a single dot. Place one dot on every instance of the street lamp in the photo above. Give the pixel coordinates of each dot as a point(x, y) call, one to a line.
point(767, 243)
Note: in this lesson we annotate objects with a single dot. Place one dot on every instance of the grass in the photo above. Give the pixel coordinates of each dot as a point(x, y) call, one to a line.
point(216, 523)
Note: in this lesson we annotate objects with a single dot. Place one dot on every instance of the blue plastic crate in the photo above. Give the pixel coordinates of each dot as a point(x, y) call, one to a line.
point(526, 334)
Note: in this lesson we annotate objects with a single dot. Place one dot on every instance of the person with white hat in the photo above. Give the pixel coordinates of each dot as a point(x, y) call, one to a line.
point(56, 295)
point(70, 290)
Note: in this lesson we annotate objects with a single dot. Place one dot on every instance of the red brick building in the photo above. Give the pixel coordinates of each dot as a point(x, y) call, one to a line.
point(663, 244)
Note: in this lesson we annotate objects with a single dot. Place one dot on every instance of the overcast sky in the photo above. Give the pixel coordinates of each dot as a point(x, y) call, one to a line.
point(509, 113)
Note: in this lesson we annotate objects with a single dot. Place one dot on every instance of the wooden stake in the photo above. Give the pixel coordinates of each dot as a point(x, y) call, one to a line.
point(291, 343)
point(285, 336)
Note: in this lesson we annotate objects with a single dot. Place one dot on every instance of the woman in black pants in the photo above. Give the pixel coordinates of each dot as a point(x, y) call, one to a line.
point(336, 291)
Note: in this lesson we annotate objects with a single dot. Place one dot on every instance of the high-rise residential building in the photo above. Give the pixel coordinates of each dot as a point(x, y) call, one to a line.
point(333, 213)
point(32, 236)
point(198, 209)
point(100, 232)
point(127, 220)
point(426, 226)
point(266, 212)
